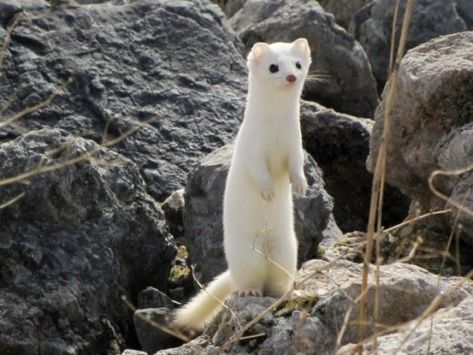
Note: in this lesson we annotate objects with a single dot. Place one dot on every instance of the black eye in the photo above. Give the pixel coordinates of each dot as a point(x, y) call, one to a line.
point(298, 65)
point(273, 68)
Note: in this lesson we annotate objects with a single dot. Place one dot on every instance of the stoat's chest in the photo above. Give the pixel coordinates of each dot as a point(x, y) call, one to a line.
point(276, 144)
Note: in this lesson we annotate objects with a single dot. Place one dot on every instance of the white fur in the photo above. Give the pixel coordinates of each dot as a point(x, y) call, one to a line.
point(267, 160)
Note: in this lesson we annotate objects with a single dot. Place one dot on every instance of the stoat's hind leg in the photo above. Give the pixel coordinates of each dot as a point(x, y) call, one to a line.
point(248, 270)
point(282, 267)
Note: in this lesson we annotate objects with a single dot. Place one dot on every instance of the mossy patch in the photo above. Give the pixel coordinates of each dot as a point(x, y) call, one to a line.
point(300, 303)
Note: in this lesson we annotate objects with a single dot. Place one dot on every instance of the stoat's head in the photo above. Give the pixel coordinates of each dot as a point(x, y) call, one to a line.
point(283, 66)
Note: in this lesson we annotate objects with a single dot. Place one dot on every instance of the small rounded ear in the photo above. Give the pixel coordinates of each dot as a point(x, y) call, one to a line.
point(258, 50)
point(302, 46)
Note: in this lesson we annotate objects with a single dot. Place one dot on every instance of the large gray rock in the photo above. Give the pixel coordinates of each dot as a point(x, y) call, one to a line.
point(174, 63)
point(405, 291)
point(11, 8)
point(313, 317)
point(173, 207)
point(430, 19)
point(203, 213)
point(343, 10)
point(80, 238)
point(432, 125)
point(347, 83)
point(230, 7)
point(448, 331)
point(340, 145)
point(465, 10)
point(133, 352)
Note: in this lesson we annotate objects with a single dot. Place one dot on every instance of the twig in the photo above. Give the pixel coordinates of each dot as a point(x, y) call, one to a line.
point(12, 200)
point(7, 121)
point(415, 219)
point(447, 248)
point(253, 336)
point(393, 36)
point(272, 261)
point(445, 197)
point(86, 156)
point(6, 40)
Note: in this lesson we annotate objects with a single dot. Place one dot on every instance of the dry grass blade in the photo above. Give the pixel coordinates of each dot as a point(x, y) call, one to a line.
point(416, 219)
point(271, 261)
point(12, 200)
point(393, 36)
point(86, 156)
point(6, 40)
point(445, 197)
point(8, 102)
point(434, 305)
point(8, 121)
point(446, 253)
point(380, 168)
point(203, 289)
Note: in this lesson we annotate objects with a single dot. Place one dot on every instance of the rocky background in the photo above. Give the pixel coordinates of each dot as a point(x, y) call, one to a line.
point(116, 124)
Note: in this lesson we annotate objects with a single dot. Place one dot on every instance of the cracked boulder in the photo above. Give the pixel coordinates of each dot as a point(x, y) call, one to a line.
point(342, 77)
point(430, 19)
point(432, 128)
point(321, 315)
point(340, 145)
point(73, 241)
point(173, 68)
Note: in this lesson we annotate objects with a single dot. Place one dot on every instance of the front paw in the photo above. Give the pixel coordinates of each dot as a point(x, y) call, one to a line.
point(299, 185)
point(266, 192)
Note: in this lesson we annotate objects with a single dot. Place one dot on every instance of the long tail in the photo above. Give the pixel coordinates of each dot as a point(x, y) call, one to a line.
point(196, 313)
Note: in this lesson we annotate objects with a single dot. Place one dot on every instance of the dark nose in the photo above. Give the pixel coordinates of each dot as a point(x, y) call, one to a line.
point(291, 78)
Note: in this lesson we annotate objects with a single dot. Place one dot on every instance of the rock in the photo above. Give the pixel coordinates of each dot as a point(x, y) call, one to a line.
point(343, 10)
point(78, 239)
point(194, 347)
point(311, 320)
point(405, 292)
point(465, 11)
point(133, 352)
point(346, 82)
point(128, 68)
point(152, 338)
point(88, 2)
point(230, 7)
point(244, 310)
point(340, 145)
point(10, 8)
point(430, 19)
point(432, 126)
point(449, 333)
point(361, 16)
point(203, 213)
point(151, 297)
point(173, 207)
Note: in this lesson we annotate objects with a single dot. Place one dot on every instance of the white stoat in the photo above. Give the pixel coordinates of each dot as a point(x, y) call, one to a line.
point(267, 160)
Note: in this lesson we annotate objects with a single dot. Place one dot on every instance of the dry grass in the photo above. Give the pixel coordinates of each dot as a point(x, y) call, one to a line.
point(380, 168)
point(375, 227)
